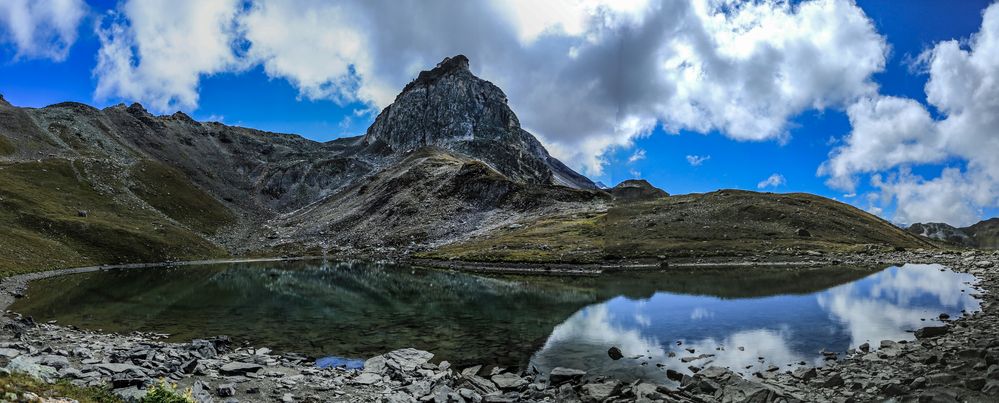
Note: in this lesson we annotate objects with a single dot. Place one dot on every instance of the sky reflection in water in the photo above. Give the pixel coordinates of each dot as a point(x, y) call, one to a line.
point(784, 329)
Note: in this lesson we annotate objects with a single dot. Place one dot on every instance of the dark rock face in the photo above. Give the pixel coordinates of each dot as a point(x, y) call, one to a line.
point(941, 232)
point(637, 189)
point(450, 108)
point(984, 234)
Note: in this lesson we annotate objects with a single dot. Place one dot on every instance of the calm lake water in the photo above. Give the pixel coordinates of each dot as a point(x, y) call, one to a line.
point(357, 310)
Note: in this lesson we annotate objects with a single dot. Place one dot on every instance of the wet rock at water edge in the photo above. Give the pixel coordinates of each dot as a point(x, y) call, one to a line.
point(561, 375)
point(508, 381)
point(598, 392)
point(615, 353)
point(930, 332)
point(805, 374)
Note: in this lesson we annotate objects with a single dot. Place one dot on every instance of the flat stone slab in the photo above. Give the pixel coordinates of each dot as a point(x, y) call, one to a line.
point(367, 378)
point(239, 368)
point(507, 381)
point(9, 352)
point(119, 368)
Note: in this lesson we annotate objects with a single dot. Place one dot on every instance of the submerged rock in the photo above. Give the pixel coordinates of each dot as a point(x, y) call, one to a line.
point(615, 353)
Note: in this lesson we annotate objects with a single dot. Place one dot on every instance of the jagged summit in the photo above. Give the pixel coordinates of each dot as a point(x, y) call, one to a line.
point(453, 64)
point(451, 108)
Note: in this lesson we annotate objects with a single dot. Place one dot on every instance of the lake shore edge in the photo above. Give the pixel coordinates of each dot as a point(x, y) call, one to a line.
point(959, 361)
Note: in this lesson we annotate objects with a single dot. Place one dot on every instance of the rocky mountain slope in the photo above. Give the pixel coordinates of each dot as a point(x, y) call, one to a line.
point(447, 164)
point(984, 234)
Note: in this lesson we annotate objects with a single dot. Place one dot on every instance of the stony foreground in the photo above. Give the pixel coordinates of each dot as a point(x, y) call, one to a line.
point(956, 362)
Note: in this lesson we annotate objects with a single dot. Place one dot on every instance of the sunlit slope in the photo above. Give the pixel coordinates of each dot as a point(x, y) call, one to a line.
point(727, 222)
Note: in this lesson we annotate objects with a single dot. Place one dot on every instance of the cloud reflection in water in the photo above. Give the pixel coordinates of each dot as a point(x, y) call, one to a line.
point(735, 333)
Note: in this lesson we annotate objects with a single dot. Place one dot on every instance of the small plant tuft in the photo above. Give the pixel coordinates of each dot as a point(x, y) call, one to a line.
point(163, 392)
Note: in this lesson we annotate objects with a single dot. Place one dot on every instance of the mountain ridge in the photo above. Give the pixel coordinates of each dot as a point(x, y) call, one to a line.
point(445, 166)
point(983, 234)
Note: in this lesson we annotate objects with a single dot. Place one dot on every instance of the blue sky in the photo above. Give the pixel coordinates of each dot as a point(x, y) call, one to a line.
point(266, 96)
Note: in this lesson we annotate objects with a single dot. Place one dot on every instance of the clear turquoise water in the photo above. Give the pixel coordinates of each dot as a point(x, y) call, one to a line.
point(349, 311)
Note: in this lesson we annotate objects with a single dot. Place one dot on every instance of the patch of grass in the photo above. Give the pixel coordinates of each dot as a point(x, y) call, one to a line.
point(171, 192)
point(723, 223)
point(18, 384)
point(6, 147)
point(569, 238)
point(41, 226)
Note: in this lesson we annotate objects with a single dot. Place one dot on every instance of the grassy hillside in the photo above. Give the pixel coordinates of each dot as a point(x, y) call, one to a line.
point(728, 222)
point(6, 148)
point(170, 192)
point(43, 224)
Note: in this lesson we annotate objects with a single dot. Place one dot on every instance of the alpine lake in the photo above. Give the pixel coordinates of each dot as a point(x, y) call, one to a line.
point(747, 319)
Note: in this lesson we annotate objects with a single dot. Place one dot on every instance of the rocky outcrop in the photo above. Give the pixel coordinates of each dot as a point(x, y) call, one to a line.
point(984, 234)
point(450, 108)
point(637, 189)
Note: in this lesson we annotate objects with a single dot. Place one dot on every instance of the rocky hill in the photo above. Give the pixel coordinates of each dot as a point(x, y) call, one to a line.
point(984, 234)
point(446, 165)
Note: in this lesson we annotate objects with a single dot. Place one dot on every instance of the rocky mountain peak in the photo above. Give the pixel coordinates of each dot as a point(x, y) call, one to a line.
point(3, 102)
point(450, 65)
point(451, 108)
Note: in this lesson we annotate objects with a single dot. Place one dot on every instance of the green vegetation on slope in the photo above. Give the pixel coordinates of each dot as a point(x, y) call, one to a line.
point(6, 147)
point(42, 224)
point(170, 192)
point(727, 222)
point(561, 238)
point(18, 384)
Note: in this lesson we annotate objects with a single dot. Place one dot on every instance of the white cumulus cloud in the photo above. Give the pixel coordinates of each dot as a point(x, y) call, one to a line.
point(156, 51)
point(892, 134)
point(41, 28)
point(586, 76)
point(774, 180)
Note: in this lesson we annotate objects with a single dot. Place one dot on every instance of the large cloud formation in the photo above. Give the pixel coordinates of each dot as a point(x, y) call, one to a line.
point(585, 75)
point(891, 135)
point(40, 28)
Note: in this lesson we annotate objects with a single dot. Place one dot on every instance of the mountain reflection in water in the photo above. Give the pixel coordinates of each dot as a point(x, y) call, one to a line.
point(357, 310)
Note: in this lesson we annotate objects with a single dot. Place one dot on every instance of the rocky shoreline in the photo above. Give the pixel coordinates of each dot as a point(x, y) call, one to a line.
point(955, 362)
